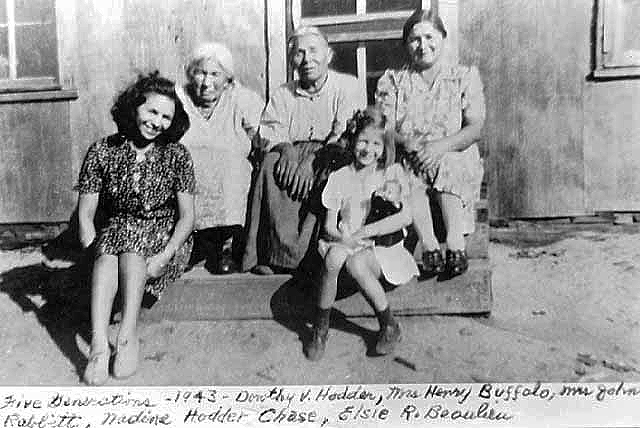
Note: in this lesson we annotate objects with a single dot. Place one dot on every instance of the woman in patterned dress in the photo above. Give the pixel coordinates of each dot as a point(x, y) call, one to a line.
point(437, 111)
point(143, 180)
point(224, 118)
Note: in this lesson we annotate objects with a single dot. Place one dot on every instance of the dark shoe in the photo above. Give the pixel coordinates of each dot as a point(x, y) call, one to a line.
point(388, 338)
point(433, 263)
point(226, 265)
point(315, 348)
point(457, 262)
point(262, 270)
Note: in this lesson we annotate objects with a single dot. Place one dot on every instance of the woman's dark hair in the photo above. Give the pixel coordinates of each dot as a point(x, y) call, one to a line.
point(422, 15)
point(124, 109)
point(371, 117)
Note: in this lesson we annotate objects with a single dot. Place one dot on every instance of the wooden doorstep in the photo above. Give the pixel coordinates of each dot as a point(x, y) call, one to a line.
point(201, 296)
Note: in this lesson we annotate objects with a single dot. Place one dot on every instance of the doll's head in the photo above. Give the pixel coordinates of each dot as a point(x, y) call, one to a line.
point(391, 191)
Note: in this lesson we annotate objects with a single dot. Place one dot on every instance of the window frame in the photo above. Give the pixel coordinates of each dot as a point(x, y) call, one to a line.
point(39, 86)
point(609, 57)
point(361, 16)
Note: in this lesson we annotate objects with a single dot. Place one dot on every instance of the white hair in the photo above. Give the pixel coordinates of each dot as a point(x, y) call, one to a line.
point(211, 51)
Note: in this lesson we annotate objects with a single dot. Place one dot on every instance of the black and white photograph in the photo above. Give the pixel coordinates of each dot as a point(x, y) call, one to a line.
point(319, 192)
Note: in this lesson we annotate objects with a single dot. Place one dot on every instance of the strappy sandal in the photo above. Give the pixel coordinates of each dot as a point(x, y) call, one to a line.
point(97, 371)
point(125, 363)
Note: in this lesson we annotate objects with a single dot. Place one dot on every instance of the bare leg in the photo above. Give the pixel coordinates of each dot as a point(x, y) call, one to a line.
point(422, 219)
point(104, 285)
point(452, 214)
point(365, 269)
point(333, 263)
point(133, 274)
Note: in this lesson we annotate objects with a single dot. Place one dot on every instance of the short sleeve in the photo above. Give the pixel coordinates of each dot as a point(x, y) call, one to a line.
point(185, 181)
point(386, 94)
point(274, 123)
point(472, 93)
point(91, 173)
point(332, 194)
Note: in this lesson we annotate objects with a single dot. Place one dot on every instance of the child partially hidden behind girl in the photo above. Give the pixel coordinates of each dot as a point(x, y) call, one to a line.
point(361, 229)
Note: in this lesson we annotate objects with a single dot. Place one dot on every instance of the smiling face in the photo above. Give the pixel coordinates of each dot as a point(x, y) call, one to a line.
point(369, 147)
point(311, 55)
point(424, 44)
point(155, 115)
point(208, 81)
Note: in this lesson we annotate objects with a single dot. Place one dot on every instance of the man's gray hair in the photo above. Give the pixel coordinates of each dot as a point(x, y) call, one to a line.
point(307, 30)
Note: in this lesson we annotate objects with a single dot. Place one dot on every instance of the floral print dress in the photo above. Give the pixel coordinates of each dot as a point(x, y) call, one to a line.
point(417, 108)
point(139, 200)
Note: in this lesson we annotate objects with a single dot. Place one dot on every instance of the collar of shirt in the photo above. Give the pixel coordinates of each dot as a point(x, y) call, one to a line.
point(299, 91)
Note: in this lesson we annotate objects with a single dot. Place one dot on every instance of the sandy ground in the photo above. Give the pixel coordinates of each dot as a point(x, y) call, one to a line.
point(566, 308)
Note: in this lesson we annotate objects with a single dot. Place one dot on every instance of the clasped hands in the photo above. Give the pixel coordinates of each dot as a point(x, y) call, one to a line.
point(352, 239)
point(426, 154)
point(294, 170)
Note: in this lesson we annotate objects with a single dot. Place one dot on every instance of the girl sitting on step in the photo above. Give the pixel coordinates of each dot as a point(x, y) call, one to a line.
point(349, 243)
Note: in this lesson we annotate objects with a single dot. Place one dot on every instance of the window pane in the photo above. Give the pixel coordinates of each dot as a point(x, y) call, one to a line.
point(372, 83)
point(4, 53)
point(311, 8)
point(345, 58)
point(631, 27)
point(36, 49)
point(389, 5)
point(34, 11)
point(383, 54)
point(3, 12)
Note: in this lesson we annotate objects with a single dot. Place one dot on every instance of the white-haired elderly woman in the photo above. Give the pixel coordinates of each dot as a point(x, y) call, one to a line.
point(224, 119)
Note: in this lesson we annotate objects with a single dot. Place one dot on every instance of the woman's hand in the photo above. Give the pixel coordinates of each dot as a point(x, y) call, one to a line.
point(285, 166)
point(430, 154)
point(87, 236)
point(303, 179)
point(157, 264)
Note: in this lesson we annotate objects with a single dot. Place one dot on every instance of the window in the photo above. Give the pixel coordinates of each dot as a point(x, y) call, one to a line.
point(618, 38)
point(28, 45)
point(366, 35)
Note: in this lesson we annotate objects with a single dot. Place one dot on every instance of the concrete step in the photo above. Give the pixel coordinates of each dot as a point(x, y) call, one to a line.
point(201, 296)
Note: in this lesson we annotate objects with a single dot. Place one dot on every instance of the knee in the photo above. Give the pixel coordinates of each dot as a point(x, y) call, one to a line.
point(333, 262)
point(357, 264)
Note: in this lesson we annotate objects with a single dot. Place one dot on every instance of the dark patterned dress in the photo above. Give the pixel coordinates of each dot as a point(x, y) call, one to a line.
point(139, 200)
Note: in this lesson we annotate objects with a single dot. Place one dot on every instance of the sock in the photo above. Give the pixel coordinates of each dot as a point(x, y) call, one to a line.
point(385, 318)
point(323, 317)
